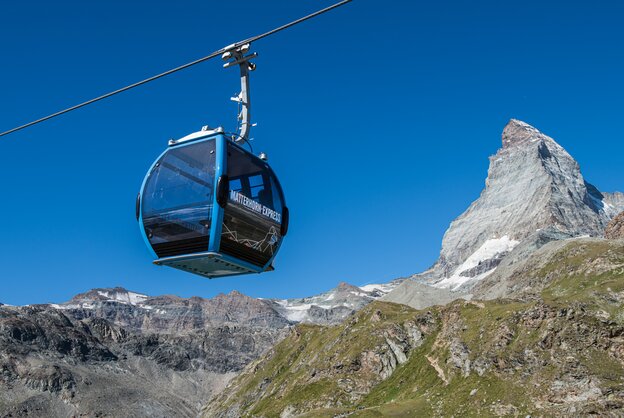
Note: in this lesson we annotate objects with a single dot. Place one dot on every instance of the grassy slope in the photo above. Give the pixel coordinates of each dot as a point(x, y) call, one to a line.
point(529, 348)
point(306, 366)
point(591, 275)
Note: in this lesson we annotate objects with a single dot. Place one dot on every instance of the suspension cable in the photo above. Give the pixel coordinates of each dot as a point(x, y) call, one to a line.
point(176, 69)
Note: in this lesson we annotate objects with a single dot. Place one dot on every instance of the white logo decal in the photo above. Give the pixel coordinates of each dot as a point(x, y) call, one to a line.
point(255, 206)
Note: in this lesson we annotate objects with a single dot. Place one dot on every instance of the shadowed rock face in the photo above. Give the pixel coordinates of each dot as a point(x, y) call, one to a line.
point(615, 229)
point(38, 328)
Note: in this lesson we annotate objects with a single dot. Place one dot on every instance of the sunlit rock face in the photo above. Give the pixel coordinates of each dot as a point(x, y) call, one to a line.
point(534, 193)
point(615, 229)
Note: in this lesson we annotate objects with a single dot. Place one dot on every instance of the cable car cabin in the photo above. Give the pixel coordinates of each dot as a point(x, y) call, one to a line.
point(209, 207)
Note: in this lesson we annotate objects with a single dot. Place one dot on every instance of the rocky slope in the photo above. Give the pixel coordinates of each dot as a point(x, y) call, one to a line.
point(534, 194)
point(91, 360)
point(615, 229)
point(156, 356)
point(555, 349)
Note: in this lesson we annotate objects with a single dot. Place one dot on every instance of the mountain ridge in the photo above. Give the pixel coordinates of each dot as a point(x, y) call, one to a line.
point(157, 355)
point(345, 297)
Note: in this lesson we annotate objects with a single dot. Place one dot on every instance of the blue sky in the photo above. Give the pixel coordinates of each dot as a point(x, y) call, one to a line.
point(378, 118)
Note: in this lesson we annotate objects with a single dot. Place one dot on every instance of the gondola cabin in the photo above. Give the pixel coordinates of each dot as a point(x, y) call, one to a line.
point(207, 206)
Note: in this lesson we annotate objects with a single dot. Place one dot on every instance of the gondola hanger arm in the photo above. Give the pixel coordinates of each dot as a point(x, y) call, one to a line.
point(237, 57)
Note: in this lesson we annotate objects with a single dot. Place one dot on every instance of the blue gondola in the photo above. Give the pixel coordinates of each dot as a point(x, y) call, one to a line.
point(210, 207)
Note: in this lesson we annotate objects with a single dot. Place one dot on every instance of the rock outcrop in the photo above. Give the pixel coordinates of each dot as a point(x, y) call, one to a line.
point(348, 360)
point(615, 229)
point(615, 200)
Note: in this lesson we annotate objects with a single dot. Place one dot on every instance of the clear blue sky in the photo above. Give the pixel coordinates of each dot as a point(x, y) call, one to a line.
point(378, 118)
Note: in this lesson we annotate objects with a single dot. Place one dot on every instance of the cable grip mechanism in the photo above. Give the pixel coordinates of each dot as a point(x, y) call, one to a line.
point(240, 56)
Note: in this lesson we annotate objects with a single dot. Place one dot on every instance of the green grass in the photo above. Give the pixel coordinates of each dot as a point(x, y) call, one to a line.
point(286, 375)
point(481, 324)
point(606, 367)
point(589, 276)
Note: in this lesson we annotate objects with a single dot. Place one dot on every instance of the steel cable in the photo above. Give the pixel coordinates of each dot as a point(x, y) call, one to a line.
point(181, 67)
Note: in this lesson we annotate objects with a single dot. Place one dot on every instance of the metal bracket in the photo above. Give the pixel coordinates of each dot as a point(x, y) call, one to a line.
point(237, 57)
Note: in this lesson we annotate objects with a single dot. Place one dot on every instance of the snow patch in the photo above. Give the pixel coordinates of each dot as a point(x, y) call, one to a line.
point(72, 306)
point(297, 310)
point(294, 312)
point(360, 294)
point(129, 297)
point(294, 307)
point(489, 250)
point(383, 288)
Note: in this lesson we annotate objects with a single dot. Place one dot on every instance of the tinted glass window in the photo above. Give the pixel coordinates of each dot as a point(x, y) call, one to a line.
point(236, 185)
point(252, 218)
point(177, 201)
point(256, 186)
point(276, 194)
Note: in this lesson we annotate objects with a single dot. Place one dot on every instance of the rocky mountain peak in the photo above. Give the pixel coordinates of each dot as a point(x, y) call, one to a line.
point(162, 357)
point(518, 133)
point(347, 287)
point(534, 193)
point(234, 298)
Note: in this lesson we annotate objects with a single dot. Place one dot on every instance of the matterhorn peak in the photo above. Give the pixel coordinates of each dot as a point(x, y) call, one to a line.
point(517, 132)
point(534, 193)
